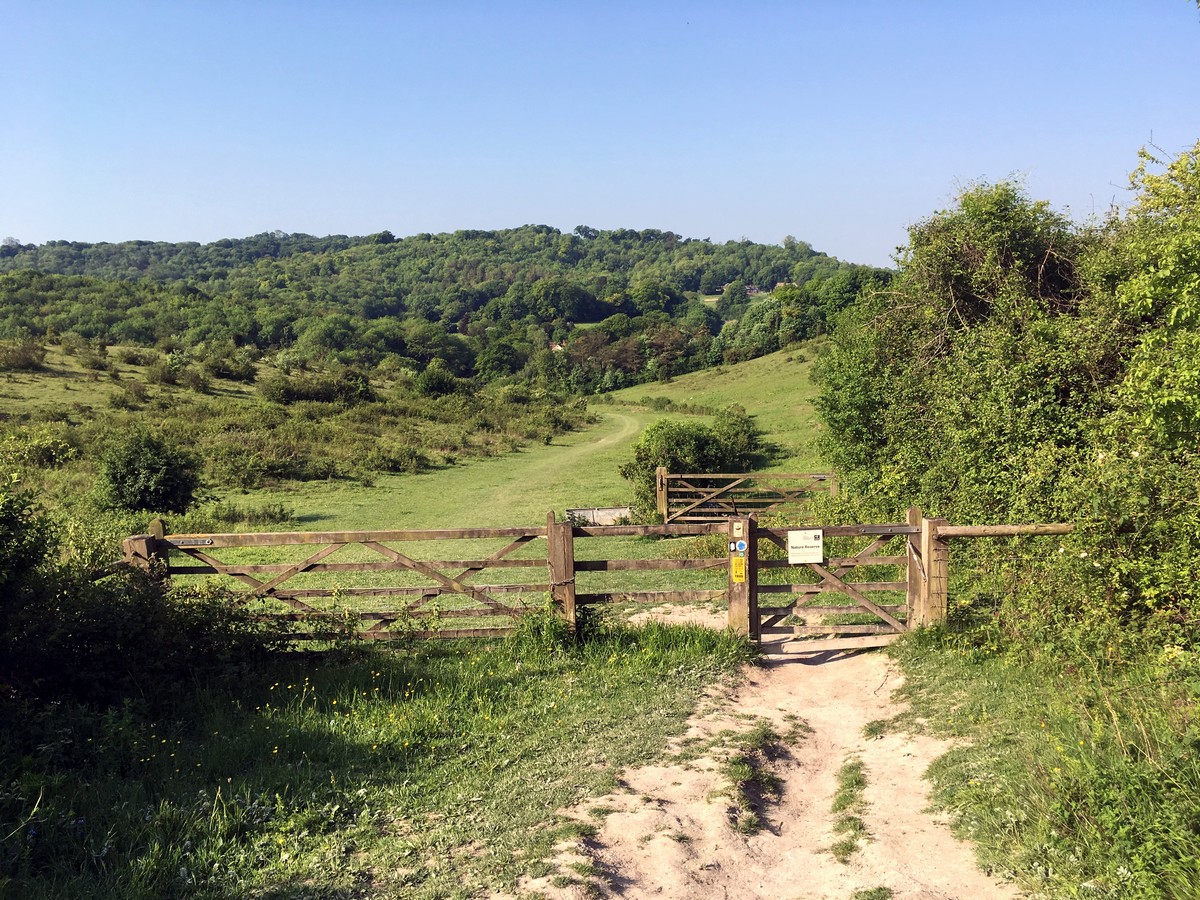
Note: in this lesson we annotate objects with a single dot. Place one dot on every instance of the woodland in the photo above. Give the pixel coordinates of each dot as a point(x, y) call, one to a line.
point(586, 311)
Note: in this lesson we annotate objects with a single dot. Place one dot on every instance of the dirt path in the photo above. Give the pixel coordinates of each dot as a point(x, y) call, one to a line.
point(667, 833)
point(550, 472)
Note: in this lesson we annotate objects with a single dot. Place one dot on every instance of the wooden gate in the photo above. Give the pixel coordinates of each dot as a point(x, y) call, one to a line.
point(713, 497)
point(872, 583)
point(821, 605)
point(425, 583)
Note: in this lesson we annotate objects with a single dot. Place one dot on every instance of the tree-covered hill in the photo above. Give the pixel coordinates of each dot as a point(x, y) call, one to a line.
point(588, 310)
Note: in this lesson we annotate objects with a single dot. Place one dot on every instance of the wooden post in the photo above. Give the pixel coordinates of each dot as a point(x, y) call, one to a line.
point(743, 578)
point(935, 554)
point(915, 594)
point(660, 490)
point(137, 550)
point(560, 540)
point(147, 552)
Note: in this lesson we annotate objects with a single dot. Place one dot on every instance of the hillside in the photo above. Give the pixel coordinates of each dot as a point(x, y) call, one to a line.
point(777, 390)
point(586, 311)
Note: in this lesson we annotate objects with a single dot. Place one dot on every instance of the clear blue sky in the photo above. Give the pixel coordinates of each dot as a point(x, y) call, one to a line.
point(840, 123)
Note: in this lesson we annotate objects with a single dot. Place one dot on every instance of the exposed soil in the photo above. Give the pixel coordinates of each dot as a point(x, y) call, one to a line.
point(668, 832)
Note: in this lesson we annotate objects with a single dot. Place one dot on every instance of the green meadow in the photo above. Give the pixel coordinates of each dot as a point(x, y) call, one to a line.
point(576, 469)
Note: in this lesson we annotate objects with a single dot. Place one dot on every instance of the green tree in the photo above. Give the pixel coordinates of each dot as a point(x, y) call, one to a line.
point(1159, 245)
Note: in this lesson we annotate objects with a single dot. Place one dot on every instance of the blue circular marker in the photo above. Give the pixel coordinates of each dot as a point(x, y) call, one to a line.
point(741, 545)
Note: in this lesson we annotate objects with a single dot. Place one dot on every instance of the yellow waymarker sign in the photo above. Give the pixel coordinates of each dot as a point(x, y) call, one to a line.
point(738, 569)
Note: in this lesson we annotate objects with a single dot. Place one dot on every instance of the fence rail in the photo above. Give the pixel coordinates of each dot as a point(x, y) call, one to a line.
point(436, 591)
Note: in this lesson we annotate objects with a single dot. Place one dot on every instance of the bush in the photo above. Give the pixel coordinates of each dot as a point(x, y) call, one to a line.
point(342, 385)
point(25, 540)
point(66, 634)
point(143, 471)
point(25, 355)
point(236, 366)
point(729, 445)
point(35, 449)
point(137, 356)
point(436, 380)
point(195, 380)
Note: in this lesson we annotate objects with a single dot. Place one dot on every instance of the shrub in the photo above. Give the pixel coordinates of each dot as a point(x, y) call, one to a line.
point(729, 445)
point(195, 380)
point(70, 633)
point(96, 359)
point(341, 385)
point(435, 380)
point(25, 540)
point(237, 365)
point(136, 356)
point(162, 372)
point(22, 355)
point(140, 470)
point(35, 449)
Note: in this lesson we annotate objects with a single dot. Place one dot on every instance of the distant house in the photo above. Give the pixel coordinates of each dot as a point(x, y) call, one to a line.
point(752, 289)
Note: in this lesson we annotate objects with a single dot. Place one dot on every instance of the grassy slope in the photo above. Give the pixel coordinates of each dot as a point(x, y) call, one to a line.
point(578, 469)
point(776, 389)
point(65, 385)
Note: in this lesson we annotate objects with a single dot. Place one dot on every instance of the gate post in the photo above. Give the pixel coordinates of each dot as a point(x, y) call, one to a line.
point(915, 594)
point(935, 553)
point(660, 491)
point(742, 589)
point(560, 556)
point(146, 551)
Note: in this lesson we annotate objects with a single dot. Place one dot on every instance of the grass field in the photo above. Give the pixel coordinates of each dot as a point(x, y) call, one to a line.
point(577, 469)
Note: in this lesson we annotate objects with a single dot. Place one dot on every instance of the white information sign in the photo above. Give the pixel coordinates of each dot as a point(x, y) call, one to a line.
point(805, 546)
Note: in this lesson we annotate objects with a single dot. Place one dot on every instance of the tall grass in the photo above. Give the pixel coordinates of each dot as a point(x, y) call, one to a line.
point(433, 771)
point(1081, 777)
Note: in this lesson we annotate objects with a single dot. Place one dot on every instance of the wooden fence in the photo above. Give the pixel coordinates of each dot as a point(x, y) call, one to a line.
point(323, 587)
point(712, 497)
point(812, 600)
